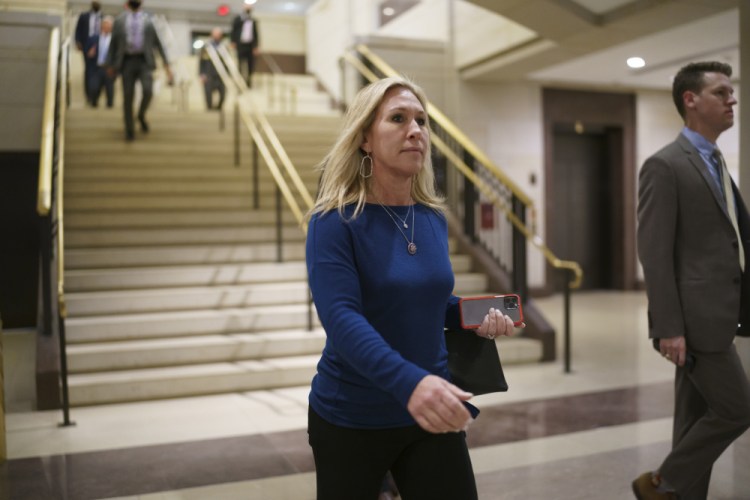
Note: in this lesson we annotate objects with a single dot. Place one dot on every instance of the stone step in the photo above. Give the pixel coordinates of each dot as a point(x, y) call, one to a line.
point(235, 375)
point(78, 238)
point(173, 218)
point(172, 202)
point(105, 171)
point(88, 280)
point(233, 347)
point(190, 380)
point(151, 256)
point(178, 187)
point(138, 301)
point(93, 258)
point(135, 301)
point(119, 327)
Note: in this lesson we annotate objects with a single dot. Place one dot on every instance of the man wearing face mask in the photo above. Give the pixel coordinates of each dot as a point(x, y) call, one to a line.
point(131, 54)
point(88, 25)
point(245, 40)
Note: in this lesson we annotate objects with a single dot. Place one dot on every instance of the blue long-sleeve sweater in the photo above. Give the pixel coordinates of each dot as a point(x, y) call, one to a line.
point(384, 312)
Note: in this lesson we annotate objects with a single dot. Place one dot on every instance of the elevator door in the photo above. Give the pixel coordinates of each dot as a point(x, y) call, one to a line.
point(583, 205)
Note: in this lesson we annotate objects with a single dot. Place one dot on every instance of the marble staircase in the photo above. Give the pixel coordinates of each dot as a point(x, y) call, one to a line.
point(172, 280)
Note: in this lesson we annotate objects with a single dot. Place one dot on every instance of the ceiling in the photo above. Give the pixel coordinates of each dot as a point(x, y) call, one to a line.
point(575, 42)
point(586, 42)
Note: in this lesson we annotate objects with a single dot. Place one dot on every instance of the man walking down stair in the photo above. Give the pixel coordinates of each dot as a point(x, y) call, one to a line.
point(131, 55)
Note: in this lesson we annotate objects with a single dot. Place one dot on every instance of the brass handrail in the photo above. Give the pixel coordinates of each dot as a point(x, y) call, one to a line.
point(221, 60)
point(436, 115)
point(46, 153)
point(62, 307)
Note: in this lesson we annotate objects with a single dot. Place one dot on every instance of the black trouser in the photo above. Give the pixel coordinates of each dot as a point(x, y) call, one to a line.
point(134, 68)
point(246, 59)
point(98, 80)
point(351, 463)
point(214, 83)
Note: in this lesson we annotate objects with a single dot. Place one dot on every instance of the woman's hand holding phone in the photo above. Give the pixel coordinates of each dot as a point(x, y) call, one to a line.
point(495, 324)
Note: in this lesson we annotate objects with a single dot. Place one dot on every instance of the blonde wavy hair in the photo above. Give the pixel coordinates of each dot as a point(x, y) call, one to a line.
point(340, 182)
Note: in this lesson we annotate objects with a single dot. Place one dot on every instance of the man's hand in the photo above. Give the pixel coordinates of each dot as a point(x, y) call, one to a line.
point(437, 405)
point(674, 349)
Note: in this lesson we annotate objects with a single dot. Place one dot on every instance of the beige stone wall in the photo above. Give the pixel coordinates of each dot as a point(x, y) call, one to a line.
point(45, 6)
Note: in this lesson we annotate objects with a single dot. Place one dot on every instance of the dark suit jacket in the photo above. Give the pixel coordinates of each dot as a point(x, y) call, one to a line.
point(689, 251)
point(237, 32)
point(119, 43)
point(82, 28)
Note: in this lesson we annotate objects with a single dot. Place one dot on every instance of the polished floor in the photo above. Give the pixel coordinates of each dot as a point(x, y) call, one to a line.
point(582, 435)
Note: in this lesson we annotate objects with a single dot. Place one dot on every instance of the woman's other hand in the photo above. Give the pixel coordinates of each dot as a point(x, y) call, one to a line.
point(437, 405)
point(495, 324)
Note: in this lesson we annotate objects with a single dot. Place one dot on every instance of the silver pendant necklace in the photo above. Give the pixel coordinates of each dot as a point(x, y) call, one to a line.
point(406, 217)
point(411, 247)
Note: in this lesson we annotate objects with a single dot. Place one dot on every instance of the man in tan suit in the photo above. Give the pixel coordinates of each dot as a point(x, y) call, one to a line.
point(693, 233)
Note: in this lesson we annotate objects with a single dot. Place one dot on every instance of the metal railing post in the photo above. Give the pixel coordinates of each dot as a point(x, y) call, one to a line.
point(520, 279)
point(46, 261)
point(279, 229)
point(236, 133)
point(256, 177)
point(568, 276)
point(62, 313)
point(470, 200)
point(309, 307)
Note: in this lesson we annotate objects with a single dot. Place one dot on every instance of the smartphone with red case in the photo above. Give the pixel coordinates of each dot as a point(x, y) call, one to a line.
point(474, 309)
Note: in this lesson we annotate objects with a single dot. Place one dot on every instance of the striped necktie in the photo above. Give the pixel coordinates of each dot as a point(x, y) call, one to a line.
point(731, 204)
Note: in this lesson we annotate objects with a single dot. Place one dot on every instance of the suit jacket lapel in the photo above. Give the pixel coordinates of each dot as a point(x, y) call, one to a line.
point(697, 162)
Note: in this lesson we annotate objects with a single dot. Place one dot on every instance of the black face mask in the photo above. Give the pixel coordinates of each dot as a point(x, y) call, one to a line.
point(134, 4)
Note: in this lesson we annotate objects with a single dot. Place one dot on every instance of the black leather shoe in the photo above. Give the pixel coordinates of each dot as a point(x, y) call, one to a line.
point(144, 125)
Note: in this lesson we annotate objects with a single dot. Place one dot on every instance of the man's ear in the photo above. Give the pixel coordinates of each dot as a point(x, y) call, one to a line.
point(688, 99)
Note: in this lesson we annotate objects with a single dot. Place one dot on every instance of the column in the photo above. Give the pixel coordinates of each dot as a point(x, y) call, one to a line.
point(743, 120)
point(741, 450)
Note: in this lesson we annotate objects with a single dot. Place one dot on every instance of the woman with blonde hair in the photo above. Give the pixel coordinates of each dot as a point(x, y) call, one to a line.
point(381, 278)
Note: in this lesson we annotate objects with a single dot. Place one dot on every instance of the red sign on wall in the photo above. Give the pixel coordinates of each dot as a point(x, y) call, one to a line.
point(487, 215)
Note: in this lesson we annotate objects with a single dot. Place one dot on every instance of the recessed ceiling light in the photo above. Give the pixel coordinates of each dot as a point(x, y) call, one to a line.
point(636, 62)
point(250, 2)
point(198, 44)
point(389, 11)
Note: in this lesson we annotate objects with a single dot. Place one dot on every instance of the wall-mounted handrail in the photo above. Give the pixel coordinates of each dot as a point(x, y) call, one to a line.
point(50, 199)
point(46, 152)
point(438, 117)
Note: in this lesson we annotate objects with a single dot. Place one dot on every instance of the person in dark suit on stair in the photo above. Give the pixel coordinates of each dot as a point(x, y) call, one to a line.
point(96, 50)
point(88, 25)
point(245, 40)
point(209, 75)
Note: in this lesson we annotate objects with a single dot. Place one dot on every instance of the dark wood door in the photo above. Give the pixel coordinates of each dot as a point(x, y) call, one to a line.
point(583, 199)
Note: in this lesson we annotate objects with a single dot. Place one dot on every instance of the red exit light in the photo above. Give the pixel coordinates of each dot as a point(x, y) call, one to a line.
point(222, 10)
